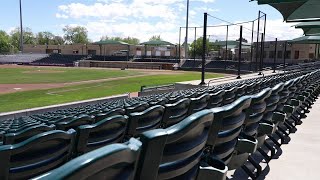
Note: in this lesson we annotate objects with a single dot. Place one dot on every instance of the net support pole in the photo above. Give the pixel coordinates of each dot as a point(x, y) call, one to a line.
point(275, 55)
point(187, 28)
point(204, 46)
point(21, 28)
point(225, 61)
point(240, 53)
point(252, 34)
point(261, 55)
point(194, 46)
point(257, 48)
point(284, 56)
point(180, 45)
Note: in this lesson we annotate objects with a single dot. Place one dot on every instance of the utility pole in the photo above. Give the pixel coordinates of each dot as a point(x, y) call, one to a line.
point(187, 28)
point(21, 28)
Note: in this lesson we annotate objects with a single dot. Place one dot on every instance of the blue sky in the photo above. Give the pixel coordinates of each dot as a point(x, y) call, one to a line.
point(139, 18)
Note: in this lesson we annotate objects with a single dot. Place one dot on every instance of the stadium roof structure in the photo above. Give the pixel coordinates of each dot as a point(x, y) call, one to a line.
point(296, 10)
point(309, 28)
point(306, 40)
point(108, 42)
point(157, 43)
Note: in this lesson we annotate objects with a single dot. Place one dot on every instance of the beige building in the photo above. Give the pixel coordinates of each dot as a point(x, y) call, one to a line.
point(107, 50)
point(295, 53)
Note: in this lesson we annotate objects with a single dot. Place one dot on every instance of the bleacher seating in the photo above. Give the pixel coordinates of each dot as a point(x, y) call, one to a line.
point(109, 58)
point(197, 133)
point(59, 60)
point(21, 58)
point(191, 64)
point(160, 60)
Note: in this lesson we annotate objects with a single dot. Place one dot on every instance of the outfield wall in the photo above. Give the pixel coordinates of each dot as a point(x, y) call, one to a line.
point(126, 65)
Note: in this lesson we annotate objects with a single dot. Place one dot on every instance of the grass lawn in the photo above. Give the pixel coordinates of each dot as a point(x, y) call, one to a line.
point(36, 75)
point(39, 98)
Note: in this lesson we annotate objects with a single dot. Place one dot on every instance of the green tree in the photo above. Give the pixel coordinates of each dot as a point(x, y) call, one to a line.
point(45, 38)
point(155, 38)
point(5, 45)
point(75, 35)
point(58, 40)
point(28, 37)
point(129, 40)
point(243, 40)
point(196, 47)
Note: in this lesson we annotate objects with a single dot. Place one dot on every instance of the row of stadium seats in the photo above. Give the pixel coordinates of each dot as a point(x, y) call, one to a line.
point(179, 147)
point(160, 60)
point(109, 58)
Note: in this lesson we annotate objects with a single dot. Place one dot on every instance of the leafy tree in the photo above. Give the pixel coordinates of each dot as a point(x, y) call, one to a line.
point(58, 40)
point(196, 47)
point(129, 40)
point(45, 38)
point(28, 37)
point(75, 35)
point(155, 38)
point(243, 40)
point(5, 45)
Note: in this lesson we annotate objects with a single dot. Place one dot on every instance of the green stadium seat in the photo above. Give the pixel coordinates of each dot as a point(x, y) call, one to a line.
point(105, 132)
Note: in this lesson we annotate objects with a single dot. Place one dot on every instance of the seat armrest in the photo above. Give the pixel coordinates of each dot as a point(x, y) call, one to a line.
point(295, 102)
point(212, 168)
point(266, 128)
point(288, 109)
point(279, 117)
point(246, 144)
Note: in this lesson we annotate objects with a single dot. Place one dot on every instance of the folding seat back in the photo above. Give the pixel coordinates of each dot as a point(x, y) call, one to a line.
point(230, 95)
point(229, 119)
point(176, 112)
point(198, 104)
point(109, 113)
point(75, 122)
point(250, 89)
point(14, 129)
point(36, 155)
point(241, 91)
point(216, 99)
point(174, 99)
point(161, 102)
point(284, 95)
point(146, 120)
point(17, 137)
point(272, 102)
point(255, 112)
point(137, 108)
point(115, 161)
point(174, 152)
point(105, 132)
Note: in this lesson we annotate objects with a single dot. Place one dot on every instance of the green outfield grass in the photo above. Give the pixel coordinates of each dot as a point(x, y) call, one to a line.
point(36, 75)
point(39, 98)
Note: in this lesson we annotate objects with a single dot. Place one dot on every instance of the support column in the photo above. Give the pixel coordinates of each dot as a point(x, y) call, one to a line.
point(240, 53)
point(204, 47)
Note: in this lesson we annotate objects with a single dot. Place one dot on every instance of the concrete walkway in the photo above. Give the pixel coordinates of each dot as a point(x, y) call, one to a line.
point(300, 159)
point(297, 160)
point(229, 78)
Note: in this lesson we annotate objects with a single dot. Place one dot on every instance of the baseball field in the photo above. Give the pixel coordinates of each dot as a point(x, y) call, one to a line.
point(23, 87)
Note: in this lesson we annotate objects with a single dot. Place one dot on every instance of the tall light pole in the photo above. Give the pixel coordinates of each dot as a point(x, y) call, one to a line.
point(187, 28)
point(21, 28)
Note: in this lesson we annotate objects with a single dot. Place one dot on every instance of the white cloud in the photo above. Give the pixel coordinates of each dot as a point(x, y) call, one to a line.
point(145, 18)
point(63, 16)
